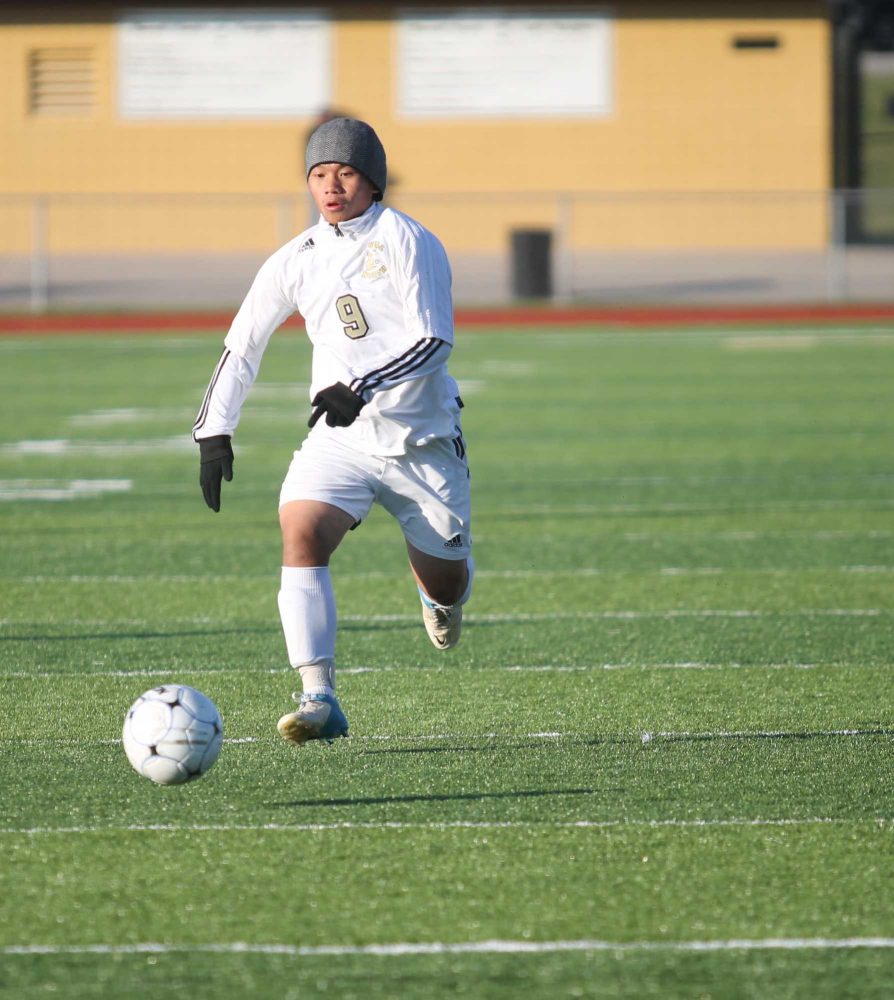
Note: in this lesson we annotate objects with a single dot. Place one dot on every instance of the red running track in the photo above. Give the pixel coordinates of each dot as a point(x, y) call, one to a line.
point(540, 316)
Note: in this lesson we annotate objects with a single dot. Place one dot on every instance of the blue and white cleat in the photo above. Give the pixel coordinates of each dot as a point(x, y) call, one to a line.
point(319, 717)
point(444, 625)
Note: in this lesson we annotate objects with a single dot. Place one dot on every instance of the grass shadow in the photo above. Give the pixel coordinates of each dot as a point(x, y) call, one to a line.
point(459, 797)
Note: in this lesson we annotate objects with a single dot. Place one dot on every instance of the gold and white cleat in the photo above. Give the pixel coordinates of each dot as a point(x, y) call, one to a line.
point(444, 625)
point(319, 717)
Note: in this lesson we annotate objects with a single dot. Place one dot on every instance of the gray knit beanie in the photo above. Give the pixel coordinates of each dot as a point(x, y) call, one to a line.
point(347, 140)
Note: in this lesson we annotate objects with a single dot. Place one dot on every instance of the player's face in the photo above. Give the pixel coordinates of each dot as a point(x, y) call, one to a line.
point(339, 191)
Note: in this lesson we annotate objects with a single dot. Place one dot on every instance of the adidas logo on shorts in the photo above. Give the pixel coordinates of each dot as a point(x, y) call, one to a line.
point(455, 543)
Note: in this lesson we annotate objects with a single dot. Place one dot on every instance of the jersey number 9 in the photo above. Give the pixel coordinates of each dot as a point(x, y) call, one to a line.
point(351, 315)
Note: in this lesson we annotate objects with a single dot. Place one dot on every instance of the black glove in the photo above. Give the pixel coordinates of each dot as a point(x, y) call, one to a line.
point(339, 403)
point(216, 457)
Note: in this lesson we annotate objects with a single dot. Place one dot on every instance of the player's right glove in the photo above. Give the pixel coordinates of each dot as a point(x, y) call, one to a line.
point(216, 463)
point(340, 404)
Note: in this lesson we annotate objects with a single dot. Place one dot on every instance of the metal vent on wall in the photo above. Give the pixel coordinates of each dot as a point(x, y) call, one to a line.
point(61, 81)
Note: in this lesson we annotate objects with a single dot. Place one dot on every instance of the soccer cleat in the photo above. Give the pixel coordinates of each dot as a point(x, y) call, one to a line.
point(443, 625)
point(319, 717)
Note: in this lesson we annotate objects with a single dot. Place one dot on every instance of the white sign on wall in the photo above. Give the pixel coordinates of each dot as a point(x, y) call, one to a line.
point(243, 63)
point(496, 63)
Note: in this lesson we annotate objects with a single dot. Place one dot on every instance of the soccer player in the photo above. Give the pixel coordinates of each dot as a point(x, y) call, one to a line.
point(373, 287)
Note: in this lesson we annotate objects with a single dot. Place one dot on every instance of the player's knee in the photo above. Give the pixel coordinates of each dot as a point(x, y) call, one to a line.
point(307, 540)
point(303, 546)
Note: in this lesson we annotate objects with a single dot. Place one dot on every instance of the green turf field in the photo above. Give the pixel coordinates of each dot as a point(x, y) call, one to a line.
point(658, 765)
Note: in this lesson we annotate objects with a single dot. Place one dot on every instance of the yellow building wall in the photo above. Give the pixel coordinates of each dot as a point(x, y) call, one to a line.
point(692, 116)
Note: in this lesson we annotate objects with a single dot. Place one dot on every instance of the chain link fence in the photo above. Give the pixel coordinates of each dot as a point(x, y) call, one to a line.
point(121, 251)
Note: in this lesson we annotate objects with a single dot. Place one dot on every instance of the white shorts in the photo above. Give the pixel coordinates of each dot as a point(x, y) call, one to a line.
point(427, 489)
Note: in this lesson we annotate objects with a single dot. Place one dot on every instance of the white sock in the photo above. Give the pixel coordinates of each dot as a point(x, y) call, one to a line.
point(307, 611)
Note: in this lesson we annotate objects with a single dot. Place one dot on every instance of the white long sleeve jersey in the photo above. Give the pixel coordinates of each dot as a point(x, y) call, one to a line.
point(375, 296)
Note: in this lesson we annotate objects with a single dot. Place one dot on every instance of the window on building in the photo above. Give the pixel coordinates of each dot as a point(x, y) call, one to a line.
point(61, 81)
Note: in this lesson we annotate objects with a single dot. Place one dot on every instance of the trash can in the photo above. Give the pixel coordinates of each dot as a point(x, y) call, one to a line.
point(532, 274)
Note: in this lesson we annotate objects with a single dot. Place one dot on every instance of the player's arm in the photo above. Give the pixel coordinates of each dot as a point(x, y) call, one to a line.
point(265, 308)
point(427, 355)
point(217, 420)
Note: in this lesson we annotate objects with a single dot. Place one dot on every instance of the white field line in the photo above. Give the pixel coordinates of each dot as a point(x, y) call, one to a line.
point(348, 825)
point(513, 618)
point(484, 574)
point(752, 536)
point(669, 613)
point(108, 418)
point(777, 506)
point(729, 734)
point(686, 665)
point(490, 947)
point(771, 342)
point(644, 737)
point(538, 668)
point(804, 337)
point(46, 675)
point(65, 446)
point(715, 336)
point(534, 668)
point(76, 741)
point(713, 480)
point(110, 449)
point(127, 415)
point(61, 489)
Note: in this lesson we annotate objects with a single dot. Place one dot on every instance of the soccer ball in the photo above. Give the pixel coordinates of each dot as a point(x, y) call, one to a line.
point(172, 734)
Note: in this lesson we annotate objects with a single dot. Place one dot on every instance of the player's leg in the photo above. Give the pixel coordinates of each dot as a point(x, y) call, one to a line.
point(444, 587)
point(323, 496)
point(311, 532)
point(444, 581)
point(427, 490)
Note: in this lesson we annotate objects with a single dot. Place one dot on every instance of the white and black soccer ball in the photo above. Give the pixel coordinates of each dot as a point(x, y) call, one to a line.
point(172, 734)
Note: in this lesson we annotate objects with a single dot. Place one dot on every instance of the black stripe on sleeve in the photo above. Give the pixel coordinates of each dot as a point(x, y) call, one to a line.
point(206, 402)
point(399, 368)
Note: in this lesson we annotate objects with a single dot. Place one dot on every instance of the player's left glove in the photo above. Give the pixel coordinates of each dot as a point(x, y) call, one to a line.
point(216, 463)
point(340, 404)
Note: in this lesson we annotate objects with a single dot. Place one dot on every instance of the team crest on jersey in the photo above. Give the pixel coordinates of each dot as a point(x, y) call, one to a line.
point(374, 267)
